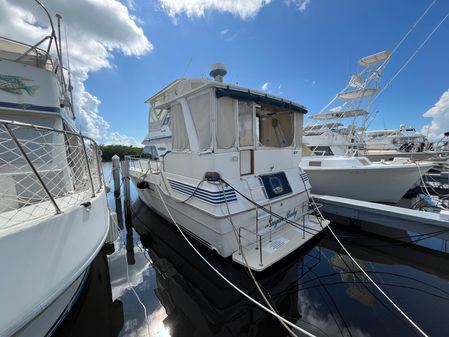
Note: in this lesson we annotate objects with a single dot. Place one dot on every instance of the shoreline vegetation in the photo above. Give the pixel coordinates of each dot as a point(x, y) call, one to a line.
point(108, 151)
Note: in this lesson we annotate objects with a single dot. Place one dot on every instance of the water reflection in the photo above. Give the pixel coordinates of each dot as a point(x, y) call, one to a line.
point(197, 302)
point(95, 313)
point(319, 287)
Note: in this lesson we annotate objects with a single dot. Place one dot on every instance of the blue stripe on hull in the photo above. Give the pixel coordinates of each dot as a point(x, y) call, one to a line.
point(24, 106)
point(212, 197)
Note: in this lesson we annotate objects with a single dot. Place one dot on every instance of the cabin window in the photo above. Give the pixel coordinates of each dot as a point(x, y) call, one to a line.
point(150, 152)
point(200, 110)
point(246, 124)
point(180, 139)
point(275, 126)
point(321, 150)
point(225, 133)
point(276, 184)
point(157, 118)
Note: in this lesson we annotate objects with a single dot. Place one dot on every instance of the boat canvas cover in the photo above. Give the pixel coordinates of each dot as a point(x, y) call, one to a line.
point(258, 98)
point(339, 114)
point(350, 95)
point(374, 58)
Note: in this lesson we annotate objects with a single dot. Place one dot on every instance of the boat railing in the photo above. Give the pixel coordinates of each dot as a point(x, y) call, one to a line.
point(143, 163)
point(257, 239)
point(31, 55)
point(45, 171)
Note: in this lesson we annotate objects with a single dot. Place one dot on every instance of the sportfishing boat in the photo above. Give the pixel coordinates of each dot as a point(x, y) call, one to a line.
point(404, 142)
point(334, 138)
point(359, 178)
point(341, 130)
point(338, 164)
point(340, 134)
point(231, 179)
point(54, 216)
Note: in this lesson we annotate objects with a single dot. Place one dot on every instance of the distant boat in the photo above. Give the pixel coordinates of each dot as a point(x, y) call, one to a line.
point(404, 142)
point(344, 133)
point(224, 166)
point(358, 178)
point(54, 217)
point(340, 134)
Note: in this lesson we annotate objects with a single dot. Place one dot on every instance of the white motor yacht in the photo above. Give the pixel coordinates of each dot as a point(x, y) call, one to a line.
point(404, 142)
point(231, 179)
point(54, 217)
point(359, 178)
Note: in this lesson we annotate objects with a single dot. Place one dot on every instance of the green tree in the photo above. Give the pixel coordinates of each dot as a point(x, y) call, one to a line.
point(108, 151)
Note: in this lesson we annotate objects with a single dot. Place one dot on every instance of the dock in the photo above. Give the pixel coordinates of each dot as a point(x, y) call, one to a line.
point(382, 219)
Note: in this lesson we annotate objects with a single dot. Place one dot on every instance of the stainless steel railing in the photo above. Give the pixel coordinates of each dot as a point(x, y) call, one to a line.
point(143, 164)
point(255, 239)
point(44, 171)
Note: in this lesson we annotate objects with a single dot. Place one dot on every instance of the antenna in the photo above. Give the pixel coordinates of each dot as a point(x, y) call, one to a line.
point(59, 17)
point(218, 71)
point(70, 88)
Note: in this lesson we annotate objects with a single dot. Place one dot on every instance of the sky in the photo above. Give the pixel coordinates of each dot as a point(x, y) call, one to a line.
point(122, 52)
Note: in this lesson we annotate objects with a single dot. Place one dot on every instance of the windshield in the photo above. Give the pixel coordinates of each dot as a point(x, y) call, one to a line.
point(157, 117)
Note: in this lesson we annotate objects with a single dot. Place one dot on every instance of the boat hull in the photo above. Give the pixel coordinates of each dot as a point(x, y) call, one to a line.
point(378, 183)
point(43, 263)
point(216, 232)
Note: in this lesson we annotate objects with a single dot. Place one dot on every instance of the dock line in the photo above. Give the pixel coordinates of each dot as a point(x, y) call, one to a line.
point(352, 258)
point(250, 272)
point(228, 281)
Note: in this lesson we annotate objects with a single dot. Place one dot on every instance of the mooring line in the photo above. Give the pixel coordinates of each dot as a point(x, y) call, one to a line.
point(226, 279)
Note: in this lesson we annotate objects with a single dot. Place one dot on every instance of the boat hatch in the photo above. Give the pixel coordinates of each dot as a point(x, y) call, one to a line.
point(276, 184)
point(314, 163)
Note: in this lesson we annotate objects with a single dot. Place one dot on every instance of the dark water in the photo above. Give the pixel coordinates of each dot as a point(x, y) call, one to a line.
point(317, 288)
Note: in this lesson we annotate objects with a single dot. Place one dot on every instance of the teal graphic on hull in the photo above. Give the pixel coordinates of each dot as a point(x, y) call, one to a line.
point(16, 85)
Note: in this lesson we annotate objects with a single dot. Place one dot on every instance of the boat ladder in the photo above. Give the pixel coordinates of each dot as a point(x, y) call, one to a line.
point(258, 194)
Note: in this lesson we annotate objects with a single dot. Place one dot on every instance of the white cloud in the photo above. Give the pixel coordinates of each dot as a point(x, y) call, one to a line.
point(265, 86)
point(224, 31)
point(95, 29)
point(440, 117)
point(300, 5)
point(321, 320)
point(196, 8)
point(139, 273)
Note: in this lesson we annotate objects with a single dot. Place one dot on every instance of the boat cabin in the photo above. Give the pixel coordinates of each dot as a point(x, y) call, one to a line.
point(201, 125)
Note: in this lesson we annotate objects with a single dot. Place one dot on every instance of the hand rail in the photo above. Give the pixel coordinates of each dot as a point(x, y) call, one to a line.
point(17, 143)
point(86, 157)
point(308, 208)
point(45, 164)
